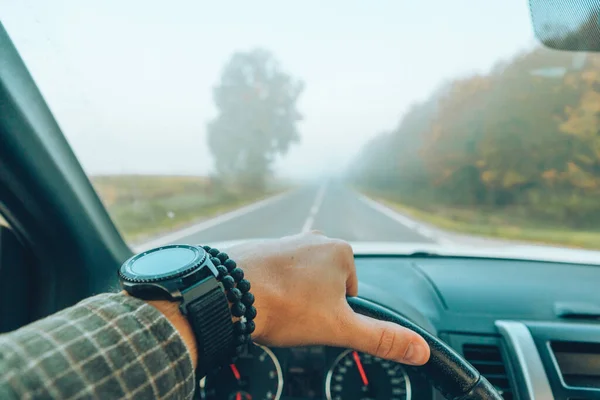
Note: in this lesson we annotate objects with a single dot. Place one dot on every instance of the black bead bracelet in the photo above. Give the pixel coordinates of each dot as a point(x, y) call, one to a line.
point(237, 291)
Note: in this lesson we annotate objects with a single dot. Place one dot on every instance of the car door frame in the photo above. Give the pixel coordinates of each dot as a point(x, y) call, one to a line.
point(47, 198)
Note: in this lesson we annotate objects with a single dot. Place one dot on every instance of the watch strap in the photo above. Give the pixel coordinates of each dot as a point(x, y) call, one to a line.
point(210, 319)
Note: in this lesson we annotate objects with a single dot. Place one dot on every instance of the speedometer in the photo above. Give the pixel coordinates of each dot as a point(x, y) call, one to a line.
point(359, 376)
point(256, 375)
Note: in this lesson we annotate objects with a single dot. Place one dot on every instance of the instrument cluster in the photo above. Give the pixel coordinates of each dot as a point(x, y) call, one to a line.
point(312, 372)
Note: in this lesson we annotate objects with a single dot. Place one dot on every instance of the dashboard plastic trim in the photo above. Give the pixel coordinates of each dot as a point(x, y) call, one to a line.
point(519, 339)
point(577, 332)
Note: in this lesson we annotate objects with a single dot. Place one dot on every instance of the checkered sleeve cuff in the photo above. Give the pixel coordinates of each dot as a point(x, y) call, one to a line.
point(108, 346)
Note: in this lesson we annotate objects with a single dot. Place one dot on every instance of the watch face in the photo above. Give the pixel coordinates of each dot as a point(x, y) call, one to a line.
point(163, 263)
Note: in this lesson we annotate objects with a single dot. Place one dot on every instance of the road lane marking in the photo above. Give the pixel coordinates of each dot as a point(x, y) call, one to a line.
point(180, 234)
point(407, 222)
point(314, 209)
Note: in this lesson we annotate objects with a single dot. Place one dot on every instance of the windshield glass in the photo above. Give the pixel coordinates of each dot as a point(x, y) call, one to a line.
point(393, 121)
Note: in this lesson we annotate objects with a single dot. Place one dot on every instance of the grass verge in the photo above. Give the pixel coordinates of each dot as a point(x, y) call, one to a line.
point(142, 206)
point(502, 225)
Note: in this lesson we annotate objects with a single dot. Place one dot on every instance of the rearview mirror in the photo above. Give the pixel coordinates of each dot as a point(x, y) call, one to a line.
point(572, 25)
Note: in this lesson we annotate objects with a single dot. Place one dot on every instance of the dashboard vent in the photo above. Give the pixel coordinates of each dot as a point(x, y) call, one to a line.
point(488, 360)
point(579, 363)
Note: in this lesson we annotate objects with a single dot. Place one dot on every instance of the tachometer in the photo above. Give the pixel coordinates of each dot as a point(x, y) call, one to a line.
point(255, 375)
point(359, 376)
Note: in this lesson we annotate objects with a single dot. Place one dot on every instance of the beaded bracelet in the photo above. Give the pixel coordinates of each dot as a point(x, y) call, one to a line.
point(237, 290)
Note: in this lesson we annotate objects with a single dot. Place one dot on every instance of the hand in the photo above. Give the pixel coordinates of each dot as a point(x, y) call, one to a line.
point(300, 284)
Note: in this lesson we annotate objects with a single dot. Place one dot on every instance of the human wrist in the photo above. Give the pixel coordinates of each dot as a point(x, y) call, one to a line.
point(172, 312)
point(181, 324)
point(251, 263)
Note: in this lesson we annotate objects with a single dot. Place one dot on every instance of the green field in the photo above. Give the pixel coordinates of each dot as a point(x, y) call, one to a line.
point(508, 224)
point(145, 205)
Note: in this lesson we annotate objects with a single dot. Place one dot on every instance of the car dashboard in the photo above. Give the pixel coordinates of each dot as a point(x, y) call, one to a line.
point(531, 328)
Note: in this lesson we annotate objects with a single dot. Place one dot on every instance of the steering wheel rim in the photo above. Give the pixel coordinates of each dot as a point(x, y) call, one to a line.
point(446, 370)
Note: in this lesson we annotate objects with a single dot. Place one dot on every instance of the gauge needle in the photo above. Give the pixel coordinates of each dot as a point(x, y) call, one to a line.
point(237, 376)
point(361, 369)
point(235, 371)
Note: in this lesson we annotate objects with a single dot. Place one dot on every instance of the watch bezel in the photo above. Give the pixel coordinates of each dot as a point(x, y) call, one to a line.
point(127, 275)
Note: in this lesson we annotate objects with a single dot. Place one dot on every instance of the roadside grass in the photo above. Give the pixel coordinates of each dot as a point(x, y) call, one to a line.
point(142, 206)
point(502, 225)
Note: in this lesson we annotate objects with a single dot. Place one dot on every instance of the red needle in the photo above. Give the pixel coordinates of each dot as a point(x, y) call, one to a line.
point(238, 396)
point(361, 369)
point(235, 371)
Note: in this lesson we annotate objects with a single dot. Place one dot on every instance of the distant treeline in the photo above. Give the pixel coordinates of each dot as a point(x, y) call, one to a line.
point(524, 138)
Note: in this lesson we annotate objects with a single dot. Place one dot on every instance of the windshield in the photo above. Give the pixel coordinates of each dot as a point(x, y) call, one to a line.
point(393, 121)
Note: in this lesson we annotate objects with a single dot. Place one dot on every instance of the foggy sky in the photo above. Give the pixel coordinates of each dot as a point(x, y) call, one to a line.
point(130, 81)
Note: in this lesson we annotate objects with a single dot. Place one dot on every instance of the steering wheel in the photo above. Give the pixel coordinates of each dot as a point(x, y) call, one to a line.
point(446, 370)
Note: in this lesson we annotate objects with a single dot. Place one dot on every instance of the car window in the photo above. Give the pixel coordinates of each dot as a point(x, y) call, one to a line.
point(404, 122)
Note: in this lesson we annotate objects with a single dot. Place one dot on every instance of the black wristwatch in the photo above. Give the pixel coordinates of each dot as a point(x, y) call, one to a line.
point(187, 274)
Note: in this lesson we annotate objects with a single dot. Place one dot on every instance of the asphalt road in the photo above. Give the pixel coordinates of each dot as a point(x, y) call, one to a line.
point(329, 207)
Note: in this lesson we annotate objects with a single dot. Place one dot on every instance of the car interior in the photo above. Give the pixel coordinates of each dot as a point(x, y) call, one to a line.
point(530, 327)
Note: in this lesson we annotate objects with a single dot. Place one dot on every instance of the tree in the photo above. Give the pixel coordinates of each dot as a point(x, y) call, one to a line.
point(523, 139)
point(496, 134)
point(257, 119)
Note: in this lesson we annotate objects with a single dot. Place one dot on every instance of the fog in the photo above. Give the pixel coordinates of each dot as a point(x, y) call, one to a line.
point(130, 83)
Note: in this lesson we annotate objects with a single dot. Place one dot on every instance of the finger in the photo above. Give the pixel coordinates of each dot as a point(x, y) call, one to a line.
point(346, 257)
point(352, 281)
point(384, 339)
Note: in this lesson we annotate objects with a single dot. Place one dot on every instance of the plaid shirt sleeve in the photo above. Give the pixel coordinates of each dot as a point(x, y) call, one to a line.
point(108, 346)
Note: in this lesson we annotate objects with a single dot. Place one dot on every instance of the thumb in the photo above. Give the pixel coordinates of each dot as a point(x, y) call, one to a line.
point(384, 339)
